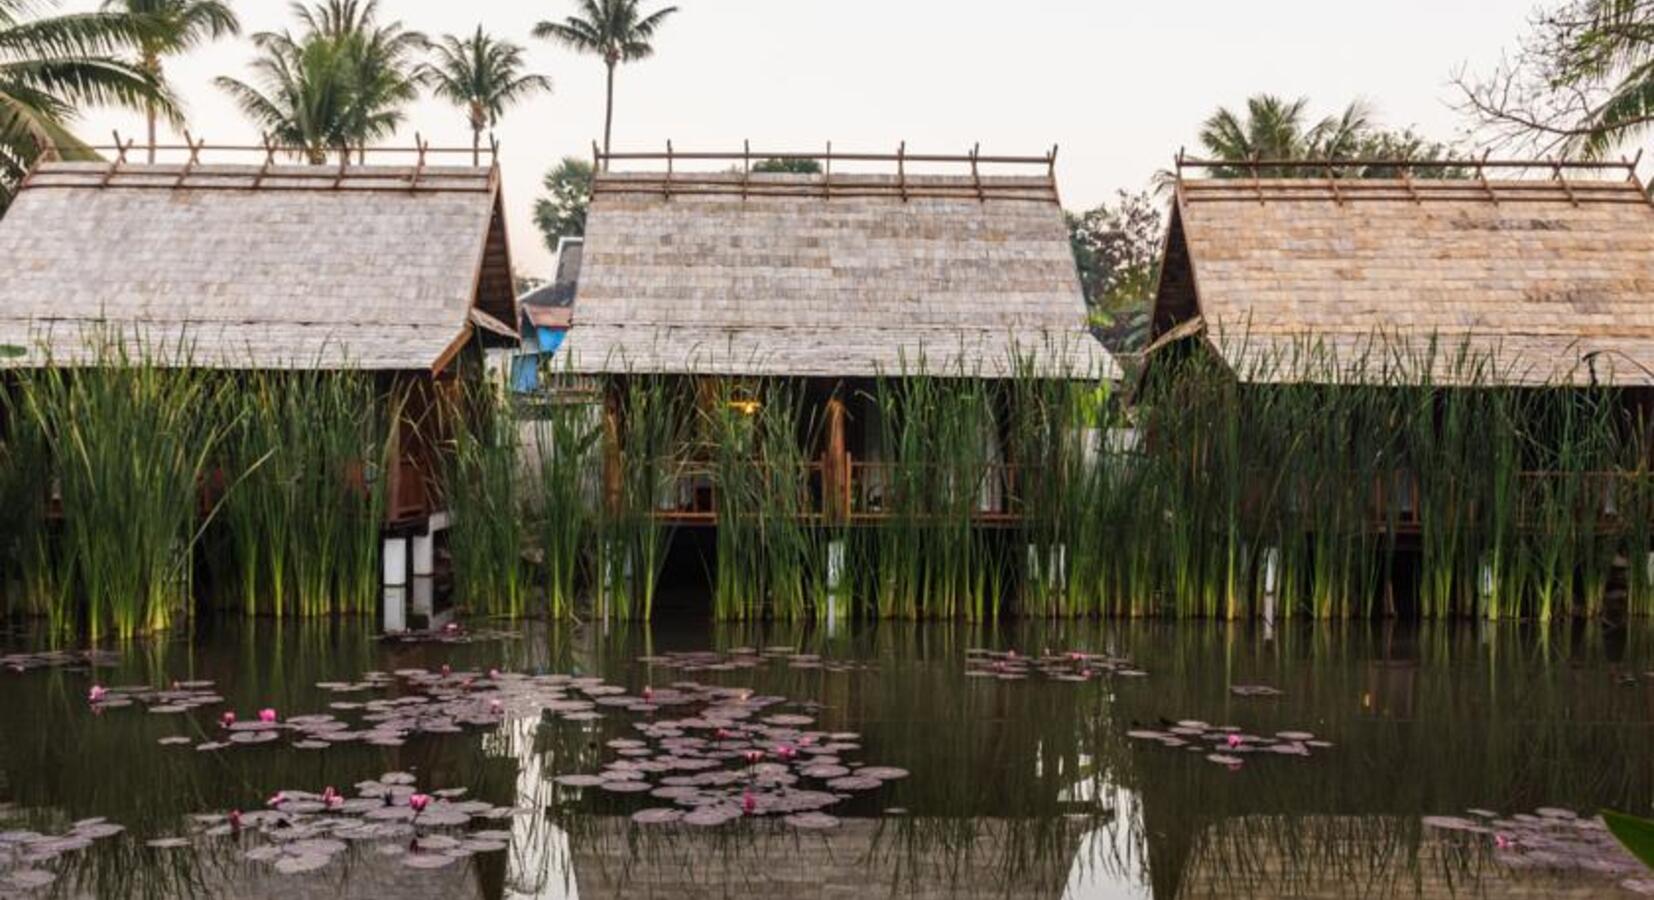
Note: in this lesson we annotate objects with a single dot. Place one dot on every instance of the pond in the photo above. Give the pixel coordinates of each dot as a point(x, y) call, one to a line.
point(683, 759)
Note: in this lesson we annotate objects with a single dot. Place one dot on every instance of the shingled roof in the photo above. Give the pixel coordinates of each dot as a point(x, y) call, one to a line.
point(1540, 280)
point(256, 267)
point(831, 275)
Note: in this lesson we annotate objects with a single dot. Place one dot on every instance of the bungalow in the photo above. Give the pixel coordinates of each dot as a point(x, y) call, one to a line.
point(392, 270)
point(830, 283)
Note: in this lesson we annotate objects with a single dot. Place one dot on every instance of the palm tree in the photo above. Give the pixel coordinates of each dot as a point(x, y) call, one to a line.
point(483, 76)
point(340, 84)
point(53, 65)
point(1274, 129)
point(615, 30)
point(304, 95)
point(178, 26)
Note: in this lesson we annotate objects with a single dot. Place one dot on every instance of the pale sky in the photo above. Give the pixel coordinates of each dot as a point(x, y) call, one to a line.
point(1119, 85)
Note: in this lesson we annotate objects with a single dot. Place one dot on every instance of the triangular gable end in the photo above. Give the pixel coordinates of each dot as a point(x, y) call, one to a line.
point(1176, 297)
point(494, 294)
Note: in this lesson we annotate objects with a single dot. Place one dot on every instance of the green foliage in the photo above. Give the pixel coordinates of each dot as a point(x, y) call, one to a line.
point(788, 166)
point(126, 446)
point(615, 31)
point(301, 476)
point(1273, 128)
point(342, 82)
point(483, 488)
point(563, 496)
point(1636, 835)
point(561, 211)
point(1117, 252)
point(483, 76)
point(1581, 83)
point(52, 66)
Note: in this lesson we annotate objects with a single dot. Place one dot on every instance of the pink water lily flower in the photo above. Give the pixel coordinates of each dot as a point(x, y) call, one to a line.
point(418, 802)
point(267, 716)
point(1234, 740)
point(276, 799)
point(648, 693)
point(235, 820)
point(97, 693)
point(753, 756)
point(785, 752)
point(227, 719)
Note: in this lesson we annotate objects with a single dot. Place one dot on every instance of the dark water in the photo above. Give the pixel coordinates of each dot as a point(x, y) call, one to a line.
point(1018, 788)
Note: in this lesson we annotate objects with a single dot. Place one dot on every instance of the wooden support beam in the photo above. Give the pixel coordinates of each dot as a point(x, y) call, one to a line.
point(835, 465)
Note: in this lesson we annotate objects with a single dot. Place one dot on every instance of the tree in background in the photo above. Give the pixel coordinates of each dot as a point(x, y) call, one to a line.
point(1277, 129)
point(615, 30)
point(788, 166)
point(341, 83)
point(1581, 83)
point(561, 211)
point(1117, 252)
point(51, 67)
point(483, 76)
point(174, 27)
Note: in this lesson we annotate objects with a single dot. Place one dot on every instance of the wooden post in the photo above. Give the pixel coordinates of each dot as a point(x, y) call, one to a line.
point(835, 468)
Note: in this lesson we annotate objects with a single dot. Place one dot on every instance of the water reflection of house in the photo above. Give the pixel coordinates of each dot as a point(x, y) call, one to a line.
point(829, 281)
point(971, 859)
point(400, 271)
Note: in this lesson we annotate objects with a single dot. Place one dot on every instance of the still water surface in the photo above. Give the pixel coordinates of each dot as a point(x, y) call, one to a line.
point(1016, 786)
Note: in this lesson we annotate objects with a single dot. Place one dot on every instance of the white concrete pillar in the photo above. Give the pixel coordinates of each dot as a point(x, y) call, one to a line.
point(424, 555)
point(1271, 570)
point(396, 562)
point(1271, 584)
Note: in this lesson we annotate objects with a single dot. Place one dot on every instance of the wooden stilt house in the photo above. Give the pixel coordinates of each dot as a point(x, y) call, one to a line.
point(1469, 344)
point(400, 268)
point(873, 267)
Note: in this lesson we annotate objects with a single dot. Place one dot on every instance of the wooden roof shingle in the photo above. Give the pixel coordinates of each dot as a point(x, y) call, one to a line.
point(829, 276)
point(254, 267)
point(1545, 281)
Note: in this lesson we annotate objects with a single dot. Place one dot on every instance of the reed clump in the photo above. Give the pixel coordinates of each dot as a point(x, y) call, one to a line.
point(110, 460)
point(301, 474)
point(483, 487)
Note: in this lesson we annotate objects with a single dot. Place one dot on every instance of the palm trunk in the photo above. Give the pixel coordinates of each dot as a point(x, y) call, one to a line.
point(476, 146)
point(151, 66)
point(608, 115)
